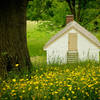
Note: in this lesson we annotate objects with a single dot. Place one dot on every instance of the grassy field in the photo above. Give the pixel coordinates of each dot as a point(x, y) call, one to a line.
point(79, 81)
point(54, 82)
point(38, 34)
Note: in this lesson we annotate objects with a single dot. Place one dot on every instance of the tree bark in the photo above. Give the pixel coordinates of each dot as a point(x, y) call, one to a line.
point(13, 42)
point(79, 9)
point(71, 4)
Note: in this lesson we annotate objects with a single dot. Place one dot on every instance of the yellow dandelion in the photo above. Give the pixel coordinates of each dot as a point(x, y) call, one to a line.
point(8, 87)
point(70, 88)
point(16, 65)
point(56, 92)
point(52, 93)
point(67, 94)
point(29, 88)
point(82, 78)
point(21, 80)
point(90, 85)
point(13, 91)
point(87, 93)
point(78, 88)
point(23, 91)
point(21, 97)
point(63, 98)
point(4, 88)
point(74, 97)
point(69, 98)
point(14, 94)
point(96, 92)
point(36, 87)
point(45, 96)
point(82, 91)
point(14, 80)
point(73, 92)
point(51, 83)
point(27, 79)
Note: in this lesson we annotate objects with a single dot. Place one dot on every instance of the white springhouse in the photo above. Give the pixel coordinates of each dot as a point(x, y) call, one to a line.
point(73, 43)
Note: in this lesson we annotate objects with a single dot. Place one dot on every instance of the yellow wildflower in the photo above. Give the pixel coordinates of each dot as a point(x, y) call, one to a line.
point(67, 94)
point(96, 92)
point(74, 97)
point(14, 94)
point(36, 87)
point(23, 91)
point(70, 88)
point(78, 88)
point(51, 83)
point(56, 92)
point(82, 91)
point(87, 93)
point(4, 88)
point(45, 96)
point(63, 98)
point(14, 80)
point(52, 93)
point(82, 78)
point(90, 85)
point(16, 65)
point(29, 88)
point(27, 79)
point(8, 87)
point(69, 98)
point(13, 91)
point(21, 97)
point(73, 92)
point(21, 80)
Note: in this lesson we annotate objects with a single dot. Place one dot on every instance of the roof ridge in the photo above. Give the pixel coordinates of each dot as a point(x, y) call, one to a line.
point(79, 28)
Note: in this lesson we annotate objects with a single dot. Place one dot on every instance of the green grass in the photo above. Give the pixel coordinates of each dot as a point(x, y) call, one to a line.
point(38, 34)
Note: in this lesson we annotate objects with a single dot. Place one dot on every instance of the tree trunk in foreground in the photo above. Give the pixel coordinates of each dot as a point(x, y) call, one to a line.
point(13, 42)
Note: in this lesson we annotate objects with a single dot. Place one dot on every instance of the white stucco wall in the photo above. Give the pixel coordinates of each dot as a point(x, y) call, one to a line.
point(57, 51)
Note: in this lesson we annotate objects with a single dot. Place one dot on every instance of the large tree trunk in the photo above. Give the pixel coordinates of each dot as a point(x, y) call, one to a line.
point(13, 42)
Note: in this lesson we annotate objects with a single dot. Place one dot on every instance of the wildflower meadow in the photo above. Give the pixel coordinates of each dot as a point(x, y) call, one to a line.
point(54, 82)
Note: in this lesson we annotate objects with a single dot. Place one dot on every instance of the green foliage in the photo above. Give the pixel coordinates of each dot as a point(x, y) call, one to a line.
point(60, 10)
point(38, 33)
point(39, 9)
point(56, 10)
point(94, 25)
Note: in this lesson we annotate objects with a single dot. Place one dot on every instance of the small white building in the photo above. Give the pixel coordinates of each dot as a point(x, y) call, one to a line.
point(71, 44)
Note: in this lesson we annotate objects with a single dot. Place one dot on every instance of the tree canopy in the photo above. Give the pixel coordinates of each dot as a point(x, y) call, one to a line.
point(83, 10)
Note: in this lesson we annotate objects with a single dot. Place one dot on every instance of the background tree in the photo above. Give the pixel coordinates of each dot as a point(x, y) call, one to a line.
point(13, 42)
point(78, 8)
